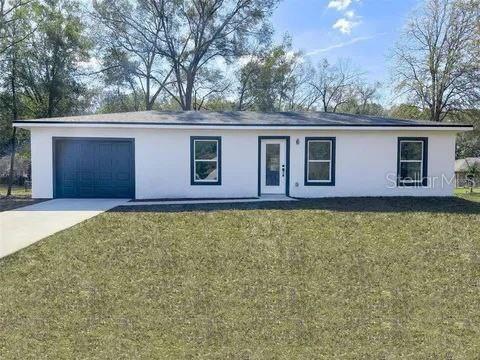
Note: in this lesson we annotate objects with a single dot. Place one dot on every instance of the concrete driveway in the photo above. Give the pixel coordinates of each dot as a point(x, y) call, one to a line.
point(24, 226)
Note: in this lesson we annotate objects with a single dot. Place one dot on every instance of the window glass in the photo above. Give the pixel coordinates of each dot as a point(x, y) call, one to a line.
point(412, 161)
point(272, 160)
point(205, 150)
point(319, 171)
point(319, 150)
point(411, 150)
point(205, 161)
point(206, 170)
point(319, 161)
point(411, 171)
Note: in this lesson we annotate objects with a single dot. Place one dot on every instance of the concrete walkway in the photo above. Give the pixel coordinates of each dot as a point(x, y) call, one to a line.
point(24, 226)
point(263, 198)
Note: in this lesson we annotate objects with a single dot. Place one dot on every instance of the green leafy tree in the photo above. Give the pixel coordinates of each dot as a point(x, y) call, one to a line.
point(266, 81)
point(172, 45)
point(43, 47)
point(129, 42)
point(408, 111)
point(472, 173)
point(354, 106)
point(12, 13)
point(14, 30)
point(51, 61)
point(468, 143)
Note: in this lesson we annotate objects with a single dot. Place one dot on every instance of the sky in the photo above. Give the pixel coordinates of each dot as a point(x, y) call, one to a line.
point(362, 30)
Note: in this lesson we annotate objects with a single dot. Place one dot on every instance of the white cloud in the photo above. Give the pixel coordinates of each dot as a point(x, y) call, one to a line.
point(345, 25)
point(350, 14)
point(339, 4)
point(349, 20)
point(339, 45)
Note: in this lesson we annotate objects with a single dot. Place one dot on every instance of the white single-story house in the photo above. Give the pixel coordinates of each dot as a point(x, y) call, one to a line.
point(190, 154)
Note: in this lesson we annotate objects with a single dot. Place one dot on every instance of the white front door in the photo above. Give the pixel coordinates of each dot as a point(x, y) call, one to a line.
point(273, 174)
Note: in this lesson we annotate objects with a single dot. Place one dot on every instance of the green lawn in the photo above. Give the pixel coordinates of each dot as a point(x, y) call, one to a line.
point(340, 278)
point(16, 191)
point(466, 194)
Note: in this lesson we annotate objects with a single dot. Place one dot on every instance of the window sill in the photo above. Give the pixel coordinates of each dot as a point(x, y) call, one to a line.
point(309, 183)
point(410, 185)
point(206, 183)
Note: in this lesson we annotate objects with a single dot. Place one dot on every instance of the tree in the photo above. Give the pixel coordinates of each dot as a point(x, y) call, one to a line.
point(362, 99)
point(14, 30)
point(43, 47)
point(334, 84)
point(366, 94)
point(112, 101)
point(435, 61)
point(173, 44)
point(267, 80)
point(219, 103)
point(211, 85)
point(196, 32)
point(11, 12)
point(50, 63)
point(468, 143)
point(472, 173)
point(129, 43)
point(301, 96)
point(407, 111)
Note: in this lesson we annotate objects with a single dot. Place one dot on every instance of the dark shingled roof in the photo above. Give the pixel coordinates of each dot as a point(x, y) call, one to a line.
point(238, 118)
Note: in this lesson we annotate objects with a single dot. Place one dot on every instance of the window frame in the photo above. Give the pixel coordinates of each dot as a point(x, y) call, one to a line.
point(332, 161)
point(193, 161)
point(424, 162)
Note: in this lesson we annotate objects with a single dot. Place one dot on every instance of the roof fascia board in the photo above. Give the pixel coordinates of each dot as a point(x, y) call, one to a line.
point(27, 125)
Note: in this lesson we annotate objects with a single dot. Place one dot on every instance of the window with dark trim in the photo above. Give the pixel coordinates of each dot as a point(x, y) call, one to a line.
point(205, 160)
point(320, 161)
point(412, 161)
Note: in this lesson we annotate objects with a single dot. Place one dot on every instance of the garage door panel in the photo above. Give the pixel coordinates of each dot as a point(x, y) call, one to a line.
point(105, 178)
point(69, 175)
point(94, 168)
point(69, 191)
point(87, 176)
point(123, 176)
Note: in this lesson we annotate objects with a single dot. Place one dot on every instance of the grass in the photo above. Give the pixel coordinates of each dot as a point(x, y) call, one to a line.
point(340, 278)
point(19, 191)
point(466, 194)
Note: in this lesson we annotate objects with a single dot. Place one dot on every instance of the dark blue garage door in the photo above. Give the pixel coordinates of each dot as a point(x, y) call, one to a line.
point(94, 168)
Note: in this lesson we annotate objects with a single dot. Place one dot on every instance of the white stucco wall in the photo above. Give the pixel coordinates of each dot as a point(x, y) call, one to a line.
point(364, 159)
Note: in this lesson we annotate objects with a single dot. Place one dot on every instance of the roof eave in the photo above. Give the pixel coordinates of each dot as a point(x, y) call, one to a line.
point(163, 125)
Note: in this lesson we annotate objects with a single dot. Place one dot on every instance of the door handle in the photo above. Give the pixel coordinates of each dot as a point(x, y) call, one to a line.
point(283, 170)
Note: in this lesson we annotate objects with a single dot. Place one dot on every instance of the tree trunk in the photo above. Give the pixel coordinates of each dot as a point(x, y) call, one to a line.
point(14, 117)
point(364, 107)
point(435, 113)
point(188, 95)
point(51, 98)
point(240, 101)
point(324, 102)
point(189, 91)
point(148, 103)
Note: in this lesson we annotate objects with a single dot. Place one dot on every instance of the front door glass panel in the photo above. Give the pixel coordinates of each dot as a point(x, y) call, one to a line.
point(272, 153)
